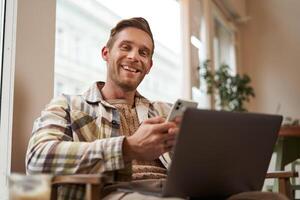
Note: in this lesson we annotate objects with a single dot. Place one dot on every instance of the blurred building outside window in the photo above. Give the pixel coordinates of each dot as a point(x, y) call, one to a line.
point(83, 29)
point(224, 45)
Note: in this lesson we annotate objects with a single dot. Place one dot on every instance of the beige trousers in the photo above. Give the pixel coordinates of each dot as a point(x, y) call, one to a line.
point(242, 196)
point(113, 192)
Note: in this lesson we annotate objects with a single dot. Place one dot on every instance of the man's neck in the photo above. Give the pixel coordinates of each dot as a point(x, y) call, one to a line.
point(111, 91)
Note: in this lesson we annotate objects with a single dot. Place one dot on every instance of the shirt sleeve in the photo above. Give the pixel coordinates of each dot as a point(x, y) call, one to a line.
point(51, 148)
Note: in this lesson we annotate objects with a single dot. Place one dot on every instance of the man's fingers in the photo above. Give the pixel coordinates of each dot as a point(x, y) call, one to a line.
point(154, 120)
point(164, 127)
point(170, 143)
point(177, 120)
point(173, 131)
point(168, 149)
point(169, 137)
point(164, 138)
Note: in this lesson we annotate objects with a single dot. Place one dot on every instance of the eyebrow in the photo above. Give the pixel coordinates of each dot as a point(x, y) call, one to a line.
point(130, 42)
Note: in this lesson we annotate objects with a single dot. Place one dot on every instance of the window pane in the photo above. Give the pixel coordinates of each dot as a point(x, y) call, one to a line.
point(6, 74)
point(2, 152)
point(1, 45)
point(83, 28)
point(224, 48)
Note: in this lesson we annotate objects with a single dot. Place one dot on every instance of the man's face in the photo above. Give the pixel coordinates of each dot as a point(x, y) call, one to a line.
point(129, 59)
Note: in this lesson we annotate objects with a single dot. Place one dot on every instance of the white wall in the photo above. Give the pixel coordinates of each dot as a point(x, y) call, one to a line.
point(270, 55)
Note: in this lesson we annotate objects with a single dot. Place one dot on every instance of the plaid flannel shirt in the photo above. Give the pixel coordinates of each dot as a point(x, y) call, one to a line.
point(78, 134)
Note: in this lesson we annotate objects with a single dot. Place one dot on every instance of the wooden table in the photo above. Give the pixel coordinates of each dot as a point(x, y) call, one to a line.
point(290, 131)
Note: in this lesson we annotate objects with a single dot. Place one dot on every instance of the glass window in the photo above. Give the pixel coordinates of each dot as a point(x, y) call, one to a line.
point(217, 37)
point(83, 28)
point(2, 151)
point(1, 45)
point(224, 46)
point(7, 22)
point(200, 42)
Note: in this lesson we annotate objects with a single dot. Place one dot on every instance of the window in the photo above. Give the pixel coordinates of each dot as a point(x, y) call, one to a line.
point(2, 11)
point(83, 29)
point(3, 170)
point(216, 42)
point(7, 23)
point(224, 45)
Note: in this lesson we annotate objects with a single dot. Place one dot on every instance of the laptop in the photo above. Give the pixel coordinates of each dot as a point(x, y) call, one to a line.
point(218, 154)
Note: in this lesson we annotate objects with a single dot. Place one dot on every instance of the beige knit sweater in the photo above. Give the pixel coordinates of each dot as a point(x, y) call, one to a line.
point(129, 124)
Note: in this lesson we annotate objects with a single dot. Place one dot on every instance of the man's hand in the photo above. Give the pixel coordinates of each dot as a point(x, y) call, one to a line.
point(153, 138)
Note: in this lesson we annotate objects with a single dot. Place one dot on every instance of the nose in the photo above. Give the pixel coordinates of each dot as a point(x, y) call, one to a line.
point(133, 55)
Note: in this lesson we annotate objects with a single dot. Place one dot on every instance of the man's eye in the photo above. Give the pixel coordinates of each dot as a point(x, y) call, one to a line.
point(125, 47)
point(144, 53)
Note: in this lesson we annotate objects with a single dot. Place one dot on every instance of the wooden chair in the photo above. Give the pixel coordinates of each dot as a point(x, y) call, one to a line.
point(284, 184)
point(93, 183)
point(287, 150)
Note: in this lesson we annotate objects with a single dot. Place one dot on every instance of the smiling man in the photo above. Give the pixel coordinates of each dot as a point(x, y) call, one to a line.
point(110, 129)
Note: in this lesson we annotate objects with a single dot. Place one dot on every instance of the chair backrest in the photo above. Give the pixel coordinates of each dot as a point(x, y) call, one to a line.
point(93, 184)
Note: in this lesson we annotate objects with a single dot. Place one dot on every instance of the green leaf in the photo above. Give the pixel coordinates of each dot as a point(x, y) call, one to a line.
point(231, 91)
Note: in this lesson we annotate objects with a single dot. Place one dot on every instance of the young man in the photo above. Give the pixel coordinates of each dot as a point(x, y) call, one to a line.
point(111, 128)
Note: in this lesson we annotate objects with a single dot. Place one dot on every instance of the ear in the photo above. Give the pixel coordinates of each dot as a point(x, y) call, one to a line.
point(104, 53)
point(150, 66)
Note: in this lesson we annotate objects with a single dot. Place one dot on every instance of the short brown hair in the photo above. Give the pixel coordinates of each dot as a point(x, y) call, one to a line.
point(136, 22)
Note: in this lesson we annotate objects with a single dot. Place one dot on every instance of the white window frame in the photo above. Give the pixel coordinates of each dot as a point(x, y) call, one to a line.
point(219, 16)
point(212, 11)
point(8, 65)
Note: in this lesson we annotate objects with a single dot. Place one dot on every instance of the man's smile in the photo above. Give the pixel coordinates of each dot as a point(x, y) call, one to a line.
point(130, 69)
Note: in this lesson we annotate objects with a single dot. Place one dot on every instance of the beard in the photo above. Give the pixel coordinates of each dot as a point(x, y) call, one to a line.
point(127, 87)
point(124, 83)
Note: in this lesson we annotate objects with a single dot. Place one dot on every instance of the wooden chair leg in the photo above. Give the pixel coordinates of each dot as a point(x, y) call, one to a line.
point(285, 187)
point(93, 192)
point(54, 192)
point(96, 191)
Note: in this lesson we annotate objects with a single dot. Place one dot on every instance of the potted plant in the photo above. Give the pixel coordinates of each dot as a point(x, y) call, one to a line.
point(230, 91)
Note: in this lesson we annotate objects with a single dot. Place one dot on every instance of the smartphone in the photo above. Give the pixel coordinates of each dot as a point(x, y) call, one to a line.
point(179, 107)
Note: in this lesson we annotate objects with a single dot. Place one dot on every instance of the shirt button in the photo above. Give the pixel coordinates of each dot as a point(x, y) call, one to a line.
point(115, 124)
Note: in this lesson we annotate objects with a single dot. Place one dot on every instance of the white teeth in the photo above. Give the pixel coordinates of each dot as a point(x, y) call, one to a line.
point(129, 69)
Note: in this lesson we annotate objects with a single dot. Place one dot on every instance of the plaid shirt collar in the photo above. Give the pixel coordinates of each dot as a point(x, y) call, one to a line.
point(93, 96)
